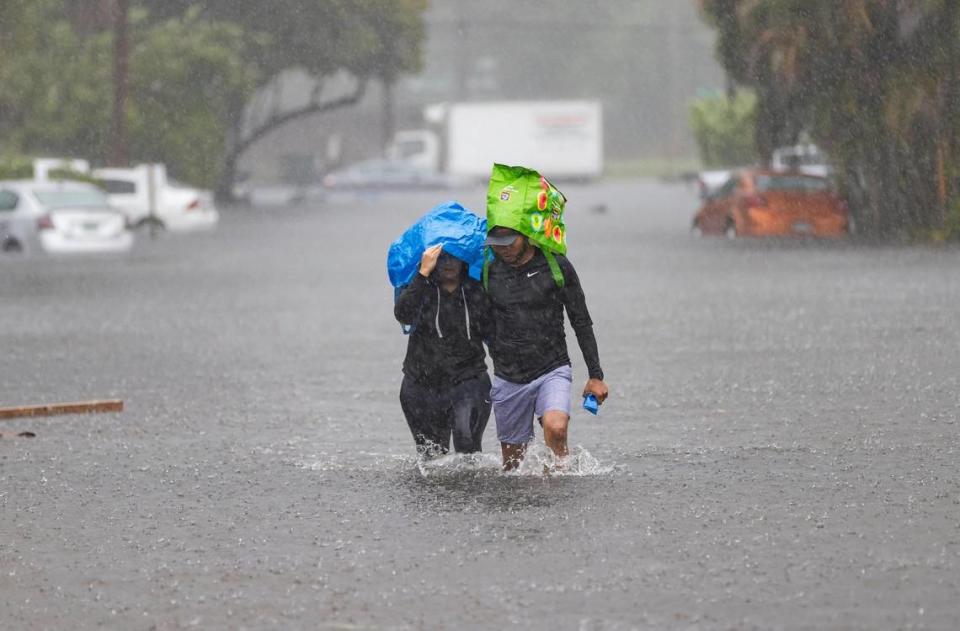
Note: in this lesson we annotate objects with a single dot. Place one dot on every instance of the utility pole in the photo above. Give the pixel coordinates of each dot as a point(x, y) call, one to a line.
point(119, 155)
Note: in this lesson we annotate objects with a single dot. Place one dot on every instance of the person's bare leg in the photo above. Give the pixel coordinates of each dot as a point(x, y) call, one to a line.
point(555, 432)
point(512, 455)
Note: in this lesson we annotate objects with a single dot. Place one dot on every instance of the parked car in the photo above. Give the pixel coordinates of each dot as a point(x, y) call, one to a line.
point(146, 195)
point(761, 202)
point(59, 217)
point(381, 174)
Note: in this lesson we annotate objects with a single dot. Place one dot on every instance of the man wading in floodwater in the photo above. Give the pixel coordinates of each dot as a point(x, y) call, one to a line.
point(529, 283)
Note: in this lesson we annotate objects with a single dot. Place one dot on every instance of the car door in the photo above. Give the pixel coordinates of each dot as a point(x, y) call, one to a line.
point(717, 206)
point(123, 193)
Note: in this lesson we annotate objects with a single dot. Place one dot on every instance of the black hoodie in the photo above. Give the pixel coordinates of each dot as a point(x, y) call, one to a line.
point(441, 352)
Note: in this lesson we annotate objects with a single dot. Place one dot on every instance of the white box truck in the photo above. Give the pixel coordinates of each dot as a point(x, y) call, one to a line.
point(561, 139)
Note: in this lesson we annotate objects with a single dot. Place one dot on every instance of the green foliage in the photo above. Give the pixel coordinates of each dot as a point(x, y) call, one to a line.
point(16, 168)
point(363, 37)
point(194, 66)
point(951, 229)
point(187, 76)
point(724, 128)
point(874, 82)
point(54, 89)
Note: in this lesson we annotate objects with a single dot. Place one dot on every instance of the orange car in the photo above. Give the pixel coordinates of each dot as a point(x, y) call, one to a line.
point(764, 203)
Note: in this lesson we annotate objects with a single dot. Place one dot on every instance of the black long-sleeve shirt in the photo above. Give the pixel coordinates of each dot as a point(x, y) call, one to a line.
point(529, 338)
point(444, 356)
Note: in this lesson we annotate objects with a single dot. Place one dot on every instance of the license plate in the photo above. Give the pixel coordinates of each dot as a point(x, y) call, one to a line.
point(802, 227)
point(90, 226)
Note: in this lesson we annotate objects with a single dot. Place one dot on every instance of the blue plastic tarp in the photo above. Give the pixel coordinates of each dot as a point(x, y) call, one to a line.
point(461, 233)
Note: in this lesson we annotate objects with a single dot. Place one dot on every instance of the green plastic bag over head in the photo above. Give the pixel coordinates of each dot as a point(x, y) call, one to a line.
point(522, 199)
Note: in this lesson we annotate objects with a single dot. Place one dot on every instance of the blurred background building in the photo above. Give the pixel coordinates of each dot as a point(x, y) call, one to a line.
point(644, 61)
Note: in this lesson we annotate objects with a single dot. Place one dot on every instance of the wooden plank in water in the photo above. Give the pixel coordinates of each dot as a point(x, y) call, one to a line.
point(52, 409)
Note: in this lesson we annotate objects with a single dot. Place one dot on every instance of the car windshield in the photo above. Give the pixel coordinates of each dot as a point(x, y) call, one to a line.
point(74, 197)
point(791, 183)
point(727, 189)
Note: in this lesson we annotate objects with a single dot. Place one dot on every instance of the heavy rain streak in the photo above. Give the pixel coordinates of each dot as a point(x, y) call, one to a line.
point(437, 314)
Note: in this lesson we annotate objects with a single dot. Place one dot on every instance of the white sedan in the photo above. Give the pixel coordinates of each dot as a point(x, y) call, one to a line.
point(59, 217)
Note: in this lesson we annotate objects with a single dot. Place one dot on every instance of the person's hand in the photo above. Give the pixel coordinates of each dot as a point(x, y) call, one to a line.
point(429, 260)
point(597, 388)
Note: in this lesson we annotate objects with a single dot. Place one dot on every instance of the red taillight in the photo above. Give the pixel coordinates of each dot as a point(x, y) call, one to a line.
point(45, 223)
point(194, 205)
point(755, 201)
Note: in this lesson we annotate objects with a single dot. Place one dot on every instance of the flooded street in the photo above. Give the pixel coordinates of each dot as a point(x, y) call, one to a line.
point(779, 449)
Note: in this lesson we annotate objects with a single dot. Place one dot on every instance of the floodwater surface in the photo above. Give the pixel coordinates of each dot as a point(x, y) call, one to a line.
point(779, 449)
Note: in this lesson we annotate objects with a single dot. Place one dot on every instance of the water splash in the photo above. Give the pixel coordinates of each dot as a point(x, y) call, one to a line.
point(539, 461)
point(481, 463)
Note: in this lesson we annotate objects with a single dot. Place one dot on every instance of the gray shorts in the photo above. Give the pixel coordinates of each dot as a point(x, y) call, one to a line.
point(516, 404)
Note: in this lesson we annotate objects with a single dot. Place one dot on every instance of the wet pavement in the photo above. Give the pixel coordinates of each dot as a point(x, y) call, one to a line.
point(779, 451)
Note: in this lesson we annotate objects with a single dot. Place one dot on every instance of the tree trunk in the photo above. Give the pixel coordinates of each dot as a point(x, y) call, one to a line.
point(237, 146)
point(951, 145)
point(119, 154)
point(769, 117)
point(228, 178)
point(729, 45)
point(879, 53)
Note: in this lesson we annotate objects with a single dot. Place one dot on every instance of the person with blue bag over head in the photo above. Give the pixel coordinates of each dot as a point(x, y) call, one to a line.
point(445, 392)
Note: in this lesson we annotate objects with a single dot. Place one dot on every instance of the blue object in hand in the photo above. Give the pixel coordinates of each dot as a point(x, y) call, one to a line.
point(590, 404)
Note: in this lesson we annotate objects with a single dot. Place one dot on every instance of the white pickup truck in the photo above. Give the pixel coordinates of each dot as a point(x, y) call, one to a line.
point(147, 196)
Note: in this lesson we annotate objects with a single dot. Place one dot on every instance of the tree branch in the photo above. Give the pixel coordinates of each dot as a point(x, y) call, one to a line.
point(279, 120)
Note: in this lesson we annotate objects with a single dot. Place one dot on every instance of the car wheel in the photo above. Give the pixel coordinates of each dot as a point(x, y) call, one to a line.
point(150, 222)
point(696, 230)
point(730, 231)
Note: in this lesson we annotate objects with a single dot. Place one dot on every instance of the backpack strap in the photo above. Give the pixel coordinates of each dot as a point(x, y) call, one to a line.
point(554, 268)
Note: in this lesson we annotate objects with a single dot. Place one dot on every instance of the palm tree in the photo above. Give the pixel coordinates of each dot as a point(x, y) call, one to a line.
point(876, 82)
